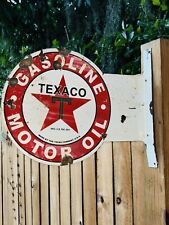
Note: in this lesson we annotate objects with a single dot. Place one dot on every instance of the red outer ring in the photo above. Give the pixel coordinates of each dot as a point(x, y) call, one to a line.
point(78, 151)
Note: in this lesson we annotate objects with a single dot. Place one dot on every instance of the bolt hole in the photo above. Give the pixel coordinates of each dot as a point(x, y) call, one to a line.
point(151, 108)
point(123, 118)
point(118, 200)
point(102, 199)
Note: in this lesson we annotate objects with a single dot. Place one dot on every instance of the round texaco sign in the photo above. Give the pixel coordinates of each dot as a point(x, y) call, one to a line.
point(56, 106)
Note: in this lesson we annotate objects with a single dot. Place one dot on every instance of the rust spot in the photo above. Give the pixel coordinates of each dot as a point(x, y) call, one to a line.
point(13, 81)
point(104, 136)
point(57, 65)
point(118, 200)
point(123, 118)
point(10, 103)
point(42, 56)
point(64, 52)
point(67, 160)
point(8, 140)
point(25, 63)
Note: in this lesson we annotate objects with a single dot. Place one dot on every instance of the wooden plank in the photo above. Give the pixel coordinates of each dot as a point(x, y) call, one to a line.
point(13, 185)
point(21, 187)
point(138, 170)
point(5, 182)
point(35, 193)
point(105, 185)
point(65, 195)
point(28, 190)
point(160, 56)
point(122, 183)
point(54, 195)
point(76, 194)
point(89, 191)
point(12, 178)
point(44, 194)
point(148, 189)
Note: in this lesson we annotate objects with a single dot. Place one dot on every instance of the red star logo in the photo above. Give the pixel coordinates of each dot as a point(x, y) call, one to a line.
point(60, 106)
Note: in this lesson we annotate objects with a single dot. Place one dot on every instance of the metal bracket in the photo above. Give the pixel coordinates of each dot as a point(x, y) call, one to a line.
point(132, 108)
point(149, 127)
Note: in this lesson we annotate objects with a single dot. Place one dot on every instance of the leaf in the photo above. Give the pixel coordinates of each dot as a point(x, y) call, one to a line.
point(55, 43)
point(124, 34)
point(164, 7)
point(143, 2)
point(156, 24)
point(131, 35)
point(156, 2)
point(120, 41)
point(122, 25)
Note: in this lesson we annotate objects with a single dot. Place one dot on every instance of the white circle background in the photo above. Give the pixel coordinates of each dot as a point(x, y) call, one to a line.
point(35, 112)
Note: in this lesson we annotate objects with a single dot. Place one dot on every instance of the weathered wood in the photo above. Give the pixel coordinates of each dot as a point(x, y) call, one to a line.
point(65, 195)
point(89, 191)
point(21, 187)
point(139, 164)
point(105, 185)
point(5, 181)
point(28, 190)
point(54, 195)
point(122, 183)
point(44, 194)
point(12, 187)
point(35, 193)
point(148, 189)
point(76, 194)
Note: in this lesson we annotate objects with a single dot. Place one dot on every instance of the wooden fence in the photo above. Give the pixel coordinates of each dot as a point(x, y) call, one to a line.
point(112, 187)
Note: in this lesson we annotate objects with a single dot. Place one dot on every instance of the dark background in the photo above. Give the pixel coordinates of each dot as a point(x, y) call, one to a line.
point(109, 32)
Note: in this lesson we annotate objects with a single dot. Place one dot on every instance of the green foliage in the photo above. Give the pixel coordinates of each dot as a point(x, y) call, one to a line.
point(30, 25)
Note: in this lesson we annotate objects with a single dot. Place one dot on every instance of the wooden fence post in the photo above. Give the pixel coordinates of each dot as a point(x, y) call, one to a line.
point(160, 64)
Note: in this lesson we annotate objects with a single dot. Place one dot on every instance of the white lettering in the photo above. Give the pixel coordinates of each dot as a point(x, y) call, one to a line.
point(66, 151)
point(33, 69)
point(22, 79)
point(96, 133)
point(102, 126)
point(71, 64)
point(37, 145)
point(90, 75)
point(82, 68)
point(88, 142)
point(50, 152)
point(46, 64)
point(98, 88)
point(15, 124)
point(24, 137)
